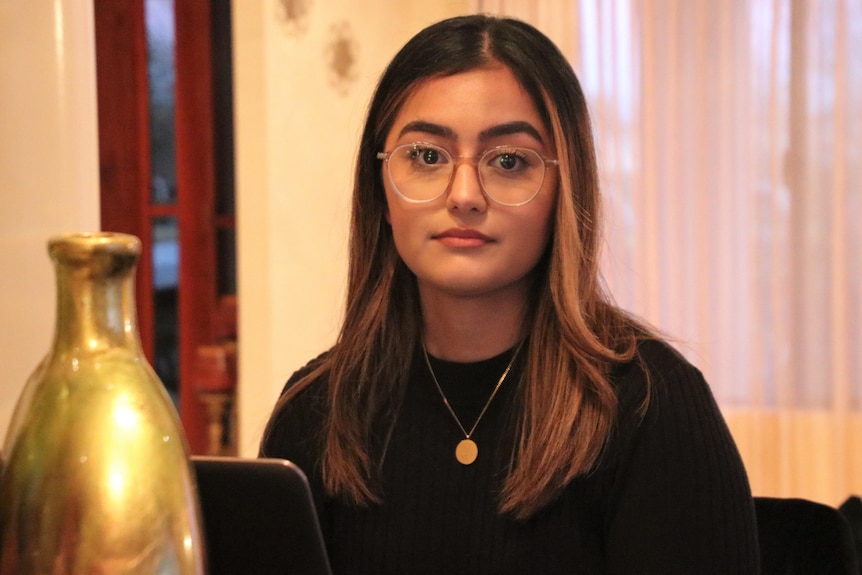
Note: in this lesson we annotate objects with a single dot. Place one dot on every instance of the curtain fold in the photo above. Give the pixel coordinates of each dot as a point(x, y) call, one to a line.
point(730, 143)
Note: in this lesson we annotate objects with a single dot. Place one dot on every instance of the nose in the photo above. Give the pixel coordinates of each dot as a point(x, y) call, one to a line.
point(465, 189)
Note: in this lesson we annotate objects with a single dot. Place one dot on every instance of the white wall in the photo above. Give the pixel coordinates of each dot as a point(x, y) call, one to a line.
point(49, 177)
point(296, 135)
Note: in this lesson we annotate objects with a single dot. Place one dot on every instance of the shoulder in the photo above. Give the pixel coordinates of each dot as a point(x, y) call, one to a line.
point(661, 361)
point(300, 412)
point(302, 397)
point(657, 368)
point(664, 396)
point(662, 392)
point(310, 367)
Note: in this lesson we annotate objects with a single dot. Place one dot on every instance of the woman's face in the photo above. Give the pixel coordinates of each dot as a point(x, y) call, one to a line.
point(462, 243)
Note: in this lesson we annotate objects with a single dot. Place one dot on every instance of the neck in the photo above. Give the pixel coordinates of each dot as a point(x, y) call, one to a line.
point(465, 329)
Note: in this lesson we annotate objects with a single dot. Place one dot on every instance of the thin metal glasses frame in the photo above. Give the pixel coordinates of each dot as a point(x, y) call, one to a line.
point(457, 160)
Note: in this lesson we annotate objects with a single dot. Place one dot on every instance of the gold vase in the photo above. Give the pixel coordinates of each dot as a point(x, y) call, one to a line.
point(97, 475)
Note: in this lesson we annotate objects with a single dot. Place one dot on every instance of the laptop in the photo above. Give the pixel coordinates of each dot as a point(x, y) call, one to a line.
point(259, 517)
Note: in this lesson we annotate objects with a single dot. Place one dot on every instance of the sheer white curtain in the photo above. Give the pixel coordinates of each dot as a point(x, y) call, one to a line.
point(730, 137)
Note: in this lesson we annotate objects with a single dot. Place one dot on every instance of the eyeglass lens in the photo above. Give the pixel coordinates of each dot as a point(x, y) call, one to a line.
point(422, 172)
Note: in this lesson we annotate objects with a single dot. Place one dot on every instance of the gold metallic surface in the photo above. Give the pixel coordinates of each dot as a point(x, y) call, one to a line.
point(97, 478)
point(466, 452)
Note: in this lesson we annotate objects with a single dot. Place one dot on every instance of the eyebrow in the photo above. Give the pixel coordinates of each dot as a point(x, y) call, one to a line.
point(509, 128)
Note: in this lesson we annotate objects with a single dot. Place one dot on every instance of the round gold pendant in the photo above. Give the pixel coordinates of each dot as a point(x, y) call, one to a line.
point(466, 452)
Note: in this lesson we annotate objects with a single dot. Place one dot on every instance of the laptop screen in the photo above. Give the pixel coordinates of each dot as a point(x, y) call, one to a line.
point(259, 517)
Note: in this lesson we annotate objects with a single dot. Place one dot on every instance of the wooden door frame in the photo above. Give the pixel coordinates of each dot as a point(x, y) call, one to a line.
point(124, 143)
point(195, 199)
point(124, 159)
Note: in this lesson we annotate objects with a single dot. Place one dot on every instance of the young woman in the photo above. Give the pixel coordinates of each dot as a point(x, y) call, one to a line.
point(487, 408)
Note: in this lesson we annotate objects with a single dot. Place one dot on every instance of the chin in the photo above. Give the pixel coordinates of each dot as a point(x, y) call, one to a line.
point(474, 287)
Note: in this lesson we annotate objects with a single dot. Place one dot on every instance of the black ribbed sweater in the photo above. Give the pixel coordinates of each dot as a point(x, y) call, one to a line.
point(670, 494)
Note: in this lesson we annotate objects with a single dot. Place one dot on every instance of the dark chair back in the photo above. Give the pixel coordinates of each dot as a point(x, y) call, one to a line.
point(798, 536)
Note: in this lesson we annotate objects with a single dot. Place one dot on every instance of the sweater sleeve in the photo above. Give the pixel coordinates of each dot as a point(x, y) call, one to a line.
point(683, 501)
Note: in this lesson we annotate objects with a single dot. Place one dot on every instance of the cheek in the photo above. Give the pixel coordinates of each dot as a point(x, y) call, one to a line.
point(539, 238)
point(400, 222)
point(391, 210)
point(541, 229)
point(390, 200)
point(544, 216)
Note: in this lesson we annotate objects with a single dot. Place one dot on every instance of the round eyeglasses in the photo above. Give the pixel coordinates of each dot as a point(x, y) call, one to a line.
point(422, 172)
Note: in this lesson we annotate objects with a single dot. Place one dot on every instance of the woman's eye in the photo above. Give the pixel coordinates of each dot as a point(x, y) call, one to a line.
point(430, 156)
point(426, 156)
point(510, 160)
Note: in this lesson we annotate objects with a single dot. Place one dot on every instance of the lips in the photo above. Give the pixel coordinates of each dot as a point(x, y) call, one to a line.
point(462, 238)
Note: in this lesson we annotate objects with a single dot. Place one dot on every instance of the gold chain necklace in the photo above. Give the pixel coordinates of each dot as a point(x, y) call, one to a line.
point(467, 451)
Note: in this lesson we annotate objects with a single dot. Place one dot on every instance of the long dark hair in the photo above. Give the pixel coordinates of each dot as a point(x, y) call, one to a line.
point(576, 334)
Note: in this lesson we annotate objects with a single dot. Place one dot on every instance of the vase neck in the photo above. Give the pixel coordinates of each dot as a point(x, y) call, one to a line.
point(95, 295)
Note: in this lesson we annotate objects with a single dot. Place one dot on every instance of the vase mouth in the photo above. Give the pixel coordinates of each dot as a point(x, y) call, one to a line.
point(114, 242)
point(116, 250)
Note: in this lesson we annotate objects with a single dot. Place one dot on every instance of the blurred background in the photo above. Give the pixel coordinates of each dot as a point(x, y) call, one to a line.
point(224, 133)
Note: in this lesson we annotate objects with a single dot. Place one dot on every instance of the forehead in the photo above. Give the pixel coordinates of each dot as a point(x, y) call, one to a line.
point(468, 104)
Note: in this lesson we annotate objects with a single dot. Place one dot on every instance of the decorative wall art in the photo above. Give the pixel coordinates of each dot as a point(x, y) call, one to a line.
point(294, 14)
point(341, 57)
